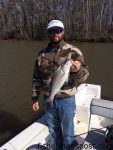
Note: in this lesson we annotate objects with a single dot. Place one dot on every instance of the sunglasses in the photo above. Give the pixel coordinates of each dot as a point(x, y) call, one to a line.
point(55, 31)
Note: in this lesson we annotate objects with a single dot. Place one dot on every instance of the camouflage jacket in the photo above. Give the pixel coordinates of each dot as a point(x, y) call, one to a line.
point(46, 63)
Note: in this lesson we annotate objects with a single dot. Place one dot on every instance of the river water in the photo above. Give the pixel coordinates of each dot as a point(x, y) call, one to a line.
point(16, 68)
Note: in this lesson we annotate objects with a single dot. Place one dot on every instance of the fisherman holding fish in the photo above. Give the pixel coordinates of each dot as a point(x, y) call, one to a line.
point(59, 69)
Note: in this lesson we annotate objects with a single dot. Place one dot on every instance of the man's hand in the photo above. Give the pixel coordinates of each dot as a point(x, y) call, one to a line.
point(75, 66)
point(35, 106)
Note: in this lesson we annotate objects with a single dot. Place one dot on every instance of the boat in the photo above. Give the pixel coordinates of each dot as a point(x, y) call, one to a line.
point(93, 119)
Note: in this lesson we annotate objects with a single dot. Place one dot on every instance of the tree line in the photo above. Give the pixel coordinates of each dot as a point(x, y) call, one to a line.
point(84, 20)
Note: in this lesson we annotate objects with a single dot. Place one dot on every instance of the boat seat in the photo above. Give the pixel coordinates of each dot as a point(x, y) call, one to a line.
point(102, 108)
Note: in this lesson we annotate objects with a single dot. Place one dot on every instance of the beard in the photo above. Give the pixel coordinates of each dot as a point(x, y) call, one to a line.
point(56, 38)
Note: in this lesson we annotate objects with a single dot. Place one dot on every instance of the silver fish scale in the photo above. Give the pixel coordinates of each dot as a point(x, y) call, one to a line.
point(58, 79)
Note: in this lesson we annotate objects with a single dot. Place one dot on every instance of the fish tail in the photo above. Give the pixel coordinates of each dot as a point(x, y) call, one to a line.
point(50, 102)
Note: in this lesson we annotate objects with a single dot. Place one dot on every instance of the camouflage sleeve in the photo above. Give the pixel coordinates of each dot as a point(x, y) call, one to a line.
point(83, 73)
point(35, 83)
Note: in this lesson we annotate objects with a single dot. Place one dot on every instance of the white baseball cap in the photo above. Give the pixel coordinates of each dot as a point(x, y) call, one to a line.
point(55, 23)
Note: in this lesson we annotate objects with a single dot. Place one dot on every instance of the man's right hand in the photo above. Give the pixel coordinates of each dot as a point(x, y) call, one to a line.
point(35, 106)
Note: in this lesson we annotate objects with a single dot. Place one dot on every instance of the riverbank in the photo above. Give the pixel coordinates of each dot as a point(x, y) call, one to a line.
point(100, 40)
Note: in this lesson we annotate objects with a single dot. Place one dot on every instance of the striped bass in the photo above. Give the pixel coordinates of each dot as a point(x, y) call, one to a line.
point(58, 79)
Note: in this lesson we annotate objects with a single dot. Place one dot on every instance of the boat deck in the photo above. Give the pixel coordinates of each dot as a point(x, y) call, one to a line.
point(38, 133)
point(92, 138)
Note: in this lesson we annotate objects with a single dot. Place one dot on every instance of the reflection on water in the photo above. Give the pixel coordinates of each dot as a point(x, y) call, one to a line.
point(9, 125)
point(16, 69)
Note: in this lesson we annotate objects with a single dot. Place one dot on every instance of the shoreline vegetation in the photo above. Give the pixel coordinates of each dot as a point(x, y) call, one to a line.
point(101, 40)
point(84, 20)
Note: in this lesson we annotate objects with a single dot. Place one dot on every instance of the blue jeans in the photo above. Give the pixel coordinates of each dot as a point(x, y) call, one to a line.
point(60, 122)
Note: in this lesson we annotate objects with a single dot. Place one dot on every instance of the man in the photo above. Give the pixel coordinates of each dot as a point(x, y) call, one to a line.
point(60, 117)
